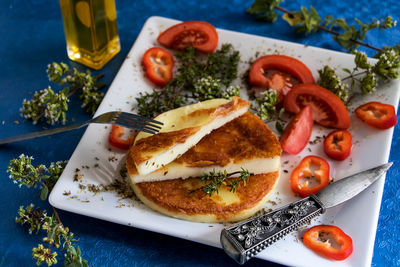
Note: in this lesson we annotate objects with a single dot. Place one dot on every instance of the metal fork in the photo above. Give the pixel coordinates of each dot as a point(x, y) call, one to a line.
point(125, 119)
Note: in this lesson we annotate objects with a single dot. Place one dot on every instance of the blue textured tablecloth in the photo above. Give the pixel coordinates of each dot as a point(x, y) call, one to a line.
point(31, 36)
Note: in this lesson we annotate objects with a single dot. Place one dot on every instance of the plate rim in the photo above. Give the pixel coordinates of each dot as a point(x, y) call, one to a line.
point(53, 199)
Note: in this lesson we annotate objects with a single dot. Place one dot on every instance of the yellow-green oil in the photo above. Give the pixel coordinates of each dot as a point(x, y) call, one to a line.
point(91, 31)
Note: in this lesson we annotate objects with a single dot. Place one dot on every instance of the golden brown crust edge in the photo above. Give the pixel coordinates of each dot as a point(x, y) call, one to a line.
point(169, 139)
point(200, 208)
point(245, 138)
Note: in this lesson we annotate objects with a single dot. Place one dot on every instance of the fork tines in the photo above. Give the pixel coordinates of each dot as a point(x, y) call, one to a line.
point(138, 123)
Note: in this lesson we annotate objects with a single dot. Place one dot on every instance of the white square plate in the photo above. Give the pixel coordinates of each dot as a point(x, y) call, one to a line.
point(358, 217)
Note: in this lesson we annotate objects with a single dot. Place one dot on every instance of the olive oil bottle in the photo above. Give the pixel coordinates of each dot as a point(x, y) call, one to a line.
point(91, 31)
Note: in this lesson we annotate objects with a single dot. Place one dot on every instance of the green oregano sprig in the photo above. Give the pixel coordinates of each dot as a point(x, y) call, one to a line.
point(217, 179)
point(364, 75)
point(331, 81)
point(52, 106)
point(308, 21)
point(265, 9)
point(267, 109)
point(198, 78)
point(58, 237)
point(34, 218)
point(22, 172)
point(351, 33)
point(208, 87)
point(159, 101)
point(48, 105)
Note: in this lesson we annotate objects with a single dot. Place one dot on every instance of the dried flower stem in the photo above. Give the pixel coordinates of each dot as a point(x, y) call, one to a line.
point(57, 216)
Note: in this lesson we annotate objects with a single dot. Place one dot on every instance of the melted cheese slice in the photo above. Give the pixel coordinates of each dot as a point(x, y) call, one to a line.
point(183, 128)
point(246, 142)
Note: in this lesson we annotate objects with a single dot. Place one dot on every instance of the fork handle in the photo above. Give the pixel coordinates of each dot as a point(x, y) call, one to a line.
point(41, 133)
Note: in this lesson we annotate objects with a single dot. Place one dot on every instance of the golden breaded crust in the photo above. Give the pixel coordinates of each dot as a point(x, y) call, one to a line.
point(245, 138)
point(173, 199)
point(183, 128)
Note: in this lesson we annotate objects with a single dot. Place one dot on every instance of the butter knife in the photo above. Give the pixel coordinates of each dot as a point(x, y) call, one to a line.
point(246, 239)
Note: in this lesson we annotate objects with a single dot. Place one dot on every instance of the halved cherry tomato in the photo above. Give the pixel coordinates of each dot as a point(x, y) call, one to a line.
point(115, 140)
point(289, 65)
point(328, 109)
point(309, 167)
point(337, 145)
point(159, 64)
point(297, 133)
point(378, 115)
point(317, 238)
point(199, 34)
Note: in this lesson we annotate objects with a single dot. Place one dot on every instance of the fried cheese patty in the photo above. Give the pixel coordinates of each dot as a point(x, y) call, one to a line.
point(172, 198)
point(244, 142)
point(183, 128)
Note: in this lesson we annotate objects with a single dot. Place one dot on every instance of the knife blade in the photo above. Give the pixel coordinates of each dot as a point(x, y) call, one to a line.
point(246, 239)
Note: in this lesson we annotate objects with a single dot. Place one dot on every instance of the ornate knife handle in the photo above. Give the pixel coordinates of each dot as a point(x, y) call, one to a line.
point(246, 239)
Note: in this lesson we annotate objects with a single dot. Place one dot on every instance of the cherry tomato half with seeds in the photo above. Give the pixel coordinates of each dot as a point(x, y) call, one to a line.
point(115, 138)
point(199, 34)
point(310, 168)
point(378, 115)
point(158, 64)
point(337, 145)
point(329, 241)
point(297, 133)
point(263, 73)
point(328, 109)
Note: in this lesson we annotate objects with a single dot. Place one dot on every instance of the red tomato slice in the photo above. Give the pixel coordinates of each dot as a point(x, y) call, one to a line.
point(297, 133)
point(282, 63)
point(305, 171)
point(159, 64)
point(281, 83)
point(199, 34)
point(328, 109)
point(316, 238)
point(337, 145)
point(115, 140)
point(378, 115)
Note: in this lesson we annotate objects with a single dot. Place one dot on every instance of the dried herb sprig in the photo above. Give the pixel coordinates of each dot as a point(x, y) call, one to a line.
point(198, 78)
point(217, 179)
point(364, 75)
point(57, 235)
point(52, 106)
point(308, 21)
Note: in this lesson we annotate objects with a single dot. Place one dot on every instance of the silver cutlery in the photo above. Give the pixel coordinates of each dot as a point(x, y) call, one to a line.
point(245, 240)
point(124, 119)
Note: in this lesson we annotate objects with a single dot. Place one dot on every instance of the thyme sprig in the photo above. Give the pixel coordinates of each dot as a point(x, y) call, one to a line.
point(197, 78)
point(57, 235)
point(217, 179)
point(364, 76)
point(308, 21)
point(52, 106)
